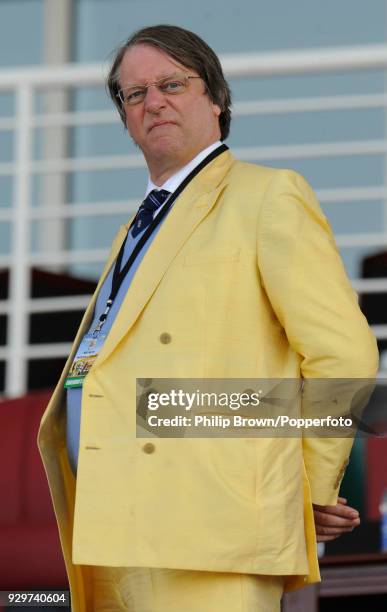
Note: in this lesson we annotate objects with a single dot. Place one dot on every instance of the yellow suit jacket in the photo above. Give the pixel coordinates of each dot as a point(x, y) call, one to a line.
point(245, 278)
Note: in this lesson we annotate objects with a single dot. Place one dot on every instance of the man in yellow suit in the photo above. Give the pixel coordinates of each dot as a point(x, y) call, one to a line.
point(229, 270)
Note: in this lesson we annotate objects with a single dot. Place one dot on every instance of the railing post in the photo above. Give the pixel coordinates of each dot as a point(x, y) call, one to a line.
point(19, 278)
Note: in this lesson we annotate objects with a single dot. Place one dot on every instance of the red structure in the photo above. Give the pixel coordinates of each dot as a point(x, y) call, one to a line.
point(376, 474)
point(30, 553)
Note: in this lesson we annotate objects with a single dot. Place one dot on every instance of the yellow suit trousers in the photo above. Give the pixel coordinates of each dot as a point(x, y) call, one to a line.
point(166, 590)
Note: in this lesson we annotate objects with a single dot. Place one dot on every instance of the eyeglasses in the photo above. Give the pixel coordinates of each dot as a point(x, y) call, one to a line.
point(171, 85)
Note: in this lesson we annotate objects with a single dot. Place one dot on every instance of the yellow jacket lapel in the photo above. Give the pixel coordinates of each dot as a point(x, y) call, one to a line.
point(190, 208)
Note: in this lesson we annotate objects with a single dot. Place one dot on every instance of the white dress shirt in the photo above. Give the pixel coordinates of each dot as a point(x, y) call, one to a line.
point(174, 181)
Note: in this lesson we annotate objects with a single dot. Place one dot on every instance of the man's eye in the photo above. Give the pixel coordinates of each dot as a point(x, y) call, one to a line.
point(134, 95)
point(172, 86)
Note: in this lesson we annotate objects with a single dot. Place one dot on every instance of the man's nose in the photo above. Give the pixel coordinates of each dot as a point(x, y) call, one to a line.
point(154, 99)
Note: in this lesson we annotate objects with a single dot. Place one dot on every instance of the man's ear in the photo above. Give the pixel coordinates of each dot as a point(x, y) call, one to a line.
point(217, 110)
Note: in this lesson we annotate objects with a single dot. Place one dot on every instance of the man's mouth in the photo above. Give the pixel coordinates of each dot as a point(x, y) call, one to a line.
point(160, 124)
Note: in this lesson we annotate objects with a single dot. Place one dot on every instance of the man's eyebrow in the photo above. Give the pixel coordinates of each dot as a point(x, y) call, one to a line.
point(163, 75)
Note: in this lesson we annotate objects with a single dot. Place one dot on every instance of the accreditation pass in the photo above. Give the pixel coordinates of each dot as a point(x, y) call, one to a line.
point(86, 355)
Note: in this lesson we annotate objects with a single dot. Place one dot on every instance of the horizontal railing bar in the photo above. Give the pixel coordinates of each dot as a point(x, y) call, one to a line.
point(71, 75)
point(380, 331)
point(108, 162)
point(305, 61)
point(62, 349)
point(40, 351)
point(7, 214)
point(301, 105)
point(72, 211)
point(284, 62)
point(7, 123)
point(7, 169)
point(75, 119)
point(77, 302)
point(58, 304)
point(99, 255)
point(346, 194)
point(69, 257)
point(343, 240)
point(61, 257)
point(50, 304)
point(239, 109)
point(264, 153)
point(301, 151)
point(86, 210)
point(58, 349)
point(361, 239)
point(351, 194)
point(369, 285)
point(245, 153)
point(5, 307)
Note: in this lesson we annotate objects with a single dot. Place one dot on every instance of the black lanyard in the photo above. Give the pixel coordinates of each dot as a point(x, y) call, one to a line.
point(118, 274)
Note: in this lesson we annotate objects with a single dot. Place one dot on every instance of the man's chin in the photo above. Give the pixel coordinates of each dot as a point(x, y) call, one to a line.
point(164, 147)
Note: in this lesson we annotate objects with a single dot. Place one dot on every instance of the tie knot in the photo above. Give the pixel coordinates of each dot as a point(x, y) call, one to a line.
point(154, 199)
point(145, 213)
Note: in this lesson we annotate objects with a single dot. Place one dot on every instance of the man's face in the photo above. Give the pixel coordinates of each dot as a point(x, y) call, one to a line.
point(169, 129)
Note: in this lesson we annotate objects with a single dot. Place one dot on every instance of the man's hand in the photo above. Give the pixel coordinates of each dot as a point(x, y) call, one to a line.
point(333, 521)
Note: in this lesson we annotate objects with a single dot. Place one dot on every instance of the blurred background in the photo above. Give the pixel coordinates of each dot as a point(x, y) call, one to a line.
point(308, 80)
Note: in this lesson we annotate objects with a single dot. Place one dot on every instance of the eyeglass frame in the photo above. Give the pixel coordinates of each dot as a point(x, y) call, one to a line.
point(156, 84)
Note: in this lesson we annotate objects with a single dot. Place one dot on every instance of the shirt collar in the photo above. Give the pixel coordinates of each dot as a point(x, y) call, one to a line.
point(174, 181)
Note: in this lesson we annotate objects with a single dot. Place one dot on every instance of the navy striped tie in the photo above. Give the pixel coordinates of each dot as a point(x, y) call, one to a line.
point(147, 209)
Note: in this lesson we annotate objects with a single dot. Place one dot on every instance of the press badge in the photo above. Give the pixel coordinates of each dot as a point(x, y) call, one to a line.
point(86, 355)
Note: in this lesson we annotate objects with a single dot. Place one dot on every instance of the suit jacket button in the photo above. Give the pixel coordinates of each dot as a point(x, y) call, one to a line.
point(165, 338)
point(149, 448)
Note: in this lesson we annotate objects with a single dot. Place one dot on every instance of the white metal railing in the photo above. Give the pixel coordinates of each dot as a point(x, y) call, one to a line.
point(24, 83)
